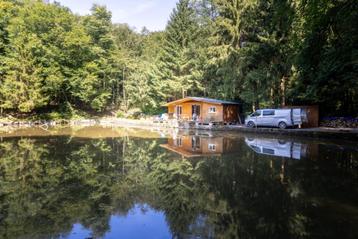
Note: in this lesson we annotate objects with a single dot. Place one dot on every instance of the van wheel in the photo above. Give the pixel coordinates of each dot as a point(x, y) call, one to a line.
point(282, 125)
point(250, 124)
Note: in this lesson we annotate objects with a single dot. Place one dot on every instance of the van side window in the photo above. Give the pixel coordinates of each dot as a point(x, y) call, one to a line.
point(257, 113)
point(268, 112)
point(268, 151)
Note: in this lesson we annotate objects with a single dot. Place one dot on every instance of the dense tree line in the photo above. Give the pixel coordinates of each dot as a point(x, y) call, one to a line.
point(265, 53)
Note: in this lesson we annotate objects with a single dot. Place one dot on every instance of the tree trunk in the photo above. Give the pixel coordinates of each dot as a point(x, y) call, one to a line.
point(283, 91)
point(124, 93)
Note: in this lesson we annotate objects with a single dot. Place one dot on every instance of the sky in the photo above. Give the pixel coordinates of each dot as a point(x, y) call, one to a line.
point(153, 14)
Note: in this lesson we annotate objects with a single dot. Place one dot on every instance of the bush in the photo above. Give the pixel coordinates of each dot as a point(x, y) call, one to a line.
point(120, 114)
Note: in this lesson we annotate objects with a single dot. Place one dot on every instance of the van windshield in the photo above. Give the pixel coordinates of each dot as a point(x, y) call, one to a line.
point(255, 114)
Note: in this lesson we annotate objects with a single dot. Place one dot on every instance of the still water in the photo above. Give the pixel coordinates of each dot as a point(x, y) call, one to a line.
point(93, 182)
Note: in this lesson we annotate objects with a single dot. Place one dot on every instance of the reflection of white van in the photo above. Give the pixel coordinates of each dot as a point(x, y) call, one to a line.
point(277, 147)
point(281, 118)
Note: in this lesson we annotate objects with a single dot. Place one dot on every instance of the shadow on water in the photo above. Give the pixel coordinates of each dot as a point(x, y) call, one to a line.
point(120, 183)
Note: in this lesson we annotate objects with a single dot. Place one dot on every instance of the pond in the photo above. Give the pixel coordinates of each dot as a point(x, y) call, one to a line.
point(97, 182)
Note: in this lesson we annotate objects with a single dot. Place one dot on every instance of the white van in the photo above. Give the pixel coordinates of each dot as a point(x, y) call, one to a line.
point(281, 118)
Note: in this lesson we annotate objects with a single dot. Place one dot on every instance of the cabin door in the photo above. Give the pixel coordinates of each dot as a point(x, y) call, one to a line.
point(178, 111)
point(195, 109)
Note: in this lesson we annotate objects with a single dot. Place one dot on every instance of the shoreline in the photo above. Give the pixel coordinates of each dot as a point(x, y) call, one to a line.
point(321, 132)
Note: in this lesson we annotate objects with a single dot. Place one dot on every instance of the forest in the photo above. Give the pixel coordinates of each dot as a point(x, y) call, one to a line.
point(262, 53)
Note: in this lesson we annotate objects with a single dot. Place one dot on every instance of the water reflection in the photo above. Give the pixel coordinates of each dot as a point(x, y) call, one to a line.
point(129, 186)
point(140, 222)
point(277, 147)
point(191, 146)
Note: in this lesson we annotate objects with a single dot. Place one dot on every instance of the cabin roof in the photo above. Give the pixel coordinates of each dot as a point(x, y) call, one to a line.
point(200, 99)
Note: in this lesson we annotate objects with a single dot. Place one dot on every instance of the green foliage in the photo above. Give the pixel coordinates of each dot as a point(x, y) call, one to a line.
point(252, 51)
point(46, 49)
point(327, 72)
point(7, 11)
point(176, 66)
point(94, 87)
point(54, 57)
point(266, 53)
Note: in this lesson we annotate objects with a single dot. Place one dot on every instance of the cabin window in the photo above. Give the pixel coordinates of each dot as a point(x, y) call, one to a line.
point(268, 113)
point(212, 109)
point(212, 147)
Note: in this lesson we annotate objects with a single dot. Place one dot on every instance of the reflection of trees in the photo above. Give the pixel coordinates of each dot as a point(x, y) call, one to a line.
point(255, 202)
point(49, 184)
point(253, 196)
point(177, 185)
point(54, 185)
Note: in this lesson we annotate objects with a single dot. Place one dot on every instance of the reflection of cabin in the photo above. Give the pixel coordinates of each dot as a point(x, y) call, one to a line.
point(204, 110)
point(195, 146)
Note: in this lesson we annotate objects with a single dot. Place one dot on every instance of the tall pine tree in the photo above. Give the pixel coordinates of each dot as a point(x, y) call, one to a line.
point(177, 56)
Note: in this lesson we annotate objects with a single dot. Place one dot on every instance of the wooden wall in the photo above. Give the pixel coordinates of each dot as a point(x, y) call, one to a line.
point(186, 143)
point(203, 149)
point(186, 109)
point(224, 113)
point(205, 116)
point(312, 112)
point(212, 117)
point(217, 141)
point(231, 113)
point(171, 109)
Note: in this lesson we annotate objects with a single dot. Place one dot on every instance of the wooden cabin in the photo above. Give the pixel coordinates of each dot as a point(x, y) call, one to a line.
point(204, 110)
